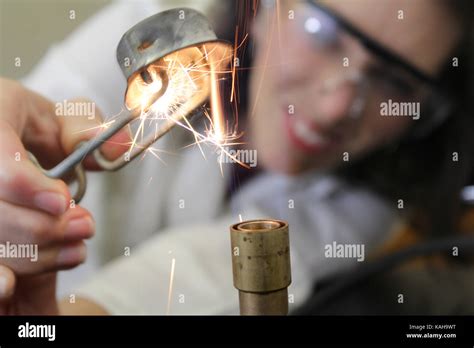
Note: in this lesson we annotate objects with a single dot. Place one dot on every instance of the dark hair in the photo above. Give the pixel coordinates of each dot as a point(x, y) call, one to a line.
point(421, 172)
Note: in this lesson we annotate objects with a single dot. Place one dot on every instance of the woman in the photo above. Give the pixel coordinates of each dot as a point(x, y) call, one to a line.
point(337, 161)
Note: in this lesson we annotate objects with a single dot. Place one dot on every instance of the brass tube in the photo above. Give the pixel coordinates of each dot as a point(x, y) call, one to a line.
point(261, 266)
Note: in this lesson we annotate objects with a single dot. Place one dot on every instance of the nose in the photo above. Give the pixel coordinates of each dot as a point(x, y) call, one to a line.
point(338, 98)
point(317, 81)
point(330, 100)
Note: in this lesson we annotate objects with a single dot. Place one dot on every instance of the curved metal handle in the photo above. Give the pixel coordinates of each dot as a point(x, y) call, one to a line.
point(87, 147)
point(79, 176)
point(73, 161)
point(120, 162)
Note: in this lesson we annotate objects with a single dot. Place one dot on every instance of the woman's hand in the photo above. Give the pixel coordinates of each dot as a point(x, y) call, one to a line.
point(36, 212)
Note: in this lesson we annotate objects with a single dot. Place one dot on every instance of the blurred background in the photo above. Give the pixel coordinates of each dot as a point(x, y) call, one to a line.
point(29, 27)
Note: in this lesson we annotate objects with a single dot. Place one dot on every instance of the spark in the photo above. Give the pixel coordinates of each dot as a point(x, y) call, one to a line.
point(278, 18)
point(269, 33)
point(170, 289)
point(184, 81)
point(149, 181)
point(194, 74)
point(216, 105)
point(101, 127)
point(235, 60)
point(154, 153)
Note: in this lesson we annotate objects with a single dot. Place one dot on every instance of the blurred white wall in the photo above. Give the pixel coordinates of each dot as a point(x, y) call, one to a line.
point(29, 27)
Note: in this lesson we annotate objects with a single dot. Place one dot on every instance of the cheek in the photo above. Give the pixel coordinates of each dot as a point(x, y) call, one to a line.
point(377, 131)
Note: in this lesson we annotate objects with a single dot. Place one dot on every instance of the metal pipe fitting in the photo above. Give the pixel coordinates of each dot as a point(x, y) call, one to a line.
point(261, 266)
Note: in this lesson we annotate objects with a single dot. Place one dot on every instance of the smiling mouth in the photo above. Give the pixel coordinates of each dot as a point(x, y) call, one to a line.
point(309, 136)
point(306, 137)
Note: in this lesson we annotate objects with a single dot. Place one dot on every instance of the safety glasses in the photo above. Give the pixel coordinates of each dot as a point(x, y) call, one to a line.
point(334, 43)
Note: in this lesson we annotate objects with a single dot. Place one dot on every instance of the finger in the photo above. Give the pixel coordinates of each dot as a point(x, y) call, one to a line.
point(7, 283)
point(76, 224)
point(27, 117)
point(39, 124)
point(63, 257)
point(23, 226)
point(32, 119)
point(22, 183)
point(35, 261)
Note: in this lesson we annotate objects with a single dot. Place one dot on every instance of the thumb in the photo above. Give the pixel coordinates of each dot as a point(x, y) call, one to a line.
point(86, 124)
point(7, 283)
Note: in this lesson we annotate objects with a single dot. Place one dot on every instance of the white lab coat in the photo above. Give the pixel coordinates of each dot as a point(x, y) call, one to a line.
point(150, 213)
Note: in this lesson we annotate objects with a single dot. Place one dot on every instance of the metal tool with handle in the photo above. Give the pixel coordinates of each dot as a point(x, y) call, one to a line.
point(143, 45)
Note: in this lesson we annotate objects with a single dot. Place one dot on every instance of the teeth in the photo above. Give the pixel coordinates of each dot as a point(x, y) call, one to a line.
point(308, 135)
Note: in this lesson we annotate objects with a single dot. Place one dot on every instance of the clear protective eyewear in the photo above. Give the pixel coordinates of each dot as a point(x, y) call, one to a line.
point(334, 41)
